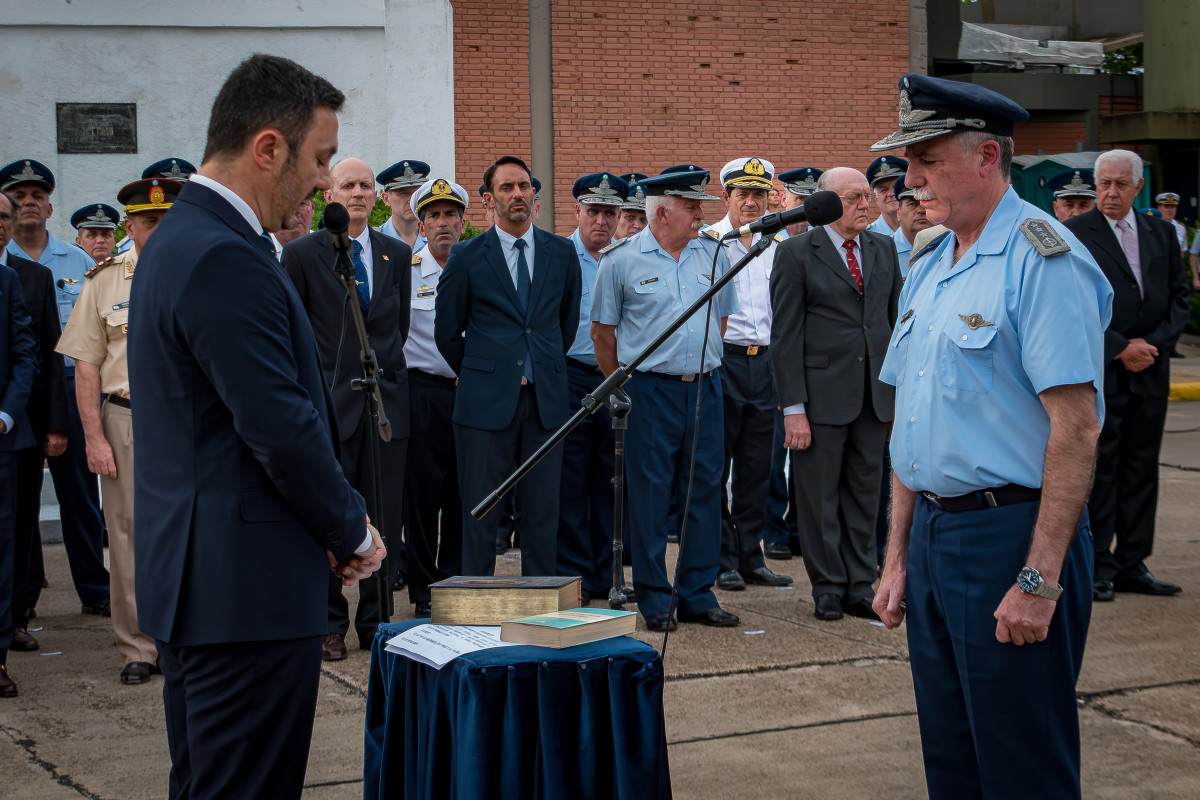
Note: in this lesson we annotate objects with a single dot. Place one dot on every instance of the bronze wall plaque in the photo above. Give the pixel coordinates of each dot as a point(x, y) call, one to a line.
point(97, 127)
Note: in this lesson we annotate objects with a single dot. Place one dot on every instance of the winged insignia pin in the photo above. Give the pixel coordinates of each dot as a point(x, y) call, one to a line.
point(975, 321)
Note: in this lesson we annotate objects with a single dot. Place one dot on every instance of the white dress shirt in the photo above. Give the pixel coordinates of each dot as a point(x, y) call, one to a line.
point(752, 324)
point(420, 352)
point(510, 252)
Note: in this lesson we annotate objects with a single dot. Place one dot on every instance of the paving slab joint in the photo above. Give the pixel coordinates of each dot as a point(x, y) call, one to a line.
point(30, 748)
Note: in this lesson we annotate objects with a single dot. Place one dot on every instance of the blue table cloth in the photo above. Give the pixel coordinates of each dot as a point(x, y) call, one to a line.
point(514, 723)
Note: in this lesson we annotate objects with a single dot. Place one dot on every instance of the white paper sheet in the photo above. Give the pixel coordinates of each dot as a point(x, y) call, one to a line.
point(438, 645)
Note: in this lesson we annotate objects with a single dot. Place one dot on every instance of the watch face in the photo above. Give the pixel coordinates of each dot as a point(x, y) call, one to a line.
point(1028, 579)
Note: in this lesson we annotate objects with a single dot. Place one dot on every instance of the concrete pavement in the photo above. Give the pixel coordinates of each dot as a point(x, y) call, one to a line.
point(782, 706)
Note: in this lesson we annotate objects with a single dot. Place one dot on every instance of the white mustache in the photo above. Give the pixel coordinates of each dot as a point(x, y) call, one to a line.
point(697, 226)
point(923, 194)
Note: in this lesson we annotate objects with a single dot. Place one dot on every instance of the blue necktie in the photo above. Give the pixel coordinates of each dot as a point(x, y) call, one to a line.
point(270, 245)
point(360, 276)
point(523, 297)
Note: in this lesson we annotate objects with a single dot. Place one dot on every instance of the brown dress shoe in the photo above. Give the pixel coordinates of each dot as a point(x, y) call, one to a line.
point(22, 641)
point(333, 647)
point(7, 687)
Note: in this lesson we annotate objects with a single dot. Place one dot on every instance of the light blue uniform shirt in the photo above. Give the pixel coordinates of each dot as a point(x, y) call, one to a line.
point(68, 263)
point(640, 289)
point(126, 244)
point(968, 415)
point(903, 250)
point(389, 229)
point(582, 349)
point(880, 226)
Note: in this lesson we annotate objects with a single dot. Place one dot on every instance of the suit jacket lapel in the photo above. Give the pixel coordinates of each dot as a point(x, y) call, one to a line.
point(867, 267)
point(832, 259)
point(494, 253)
point(541, 266)
point(1145, 252)
point(1107, 239)
point(379, 269)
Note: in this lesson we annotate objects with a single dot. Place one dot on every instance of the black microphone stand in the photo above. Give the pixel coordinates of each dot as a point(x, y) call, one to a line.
point(368, 384)
point(609, 393)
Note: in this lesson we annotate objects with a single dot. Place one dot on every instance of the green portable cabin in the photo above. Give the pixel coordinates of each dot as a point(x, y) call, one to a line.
point(1030, 173)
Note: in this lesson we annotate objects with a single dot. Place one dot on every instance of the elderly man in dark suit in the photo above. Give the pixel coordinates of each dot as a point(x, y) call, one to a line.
point(507, 312)
point(1140, 257)
point(834, 291)
point(241, 507)
point(384, 295)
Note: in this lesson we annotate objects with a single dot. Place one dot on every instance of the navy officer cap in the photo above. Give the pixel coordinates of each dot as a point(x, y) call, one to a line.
point(932, 107)
point(885, 167)
point(600, 189)
point(26, 170)
point(900, 190)
point(635, 200)
point(175, 169)
point(682, 168)
point(97, 216)
point(1072, 183)
point(633, 177)
point(537, 187)
point(801, 182)
point(1166, 199)
point(688, 185)
point(403, 175)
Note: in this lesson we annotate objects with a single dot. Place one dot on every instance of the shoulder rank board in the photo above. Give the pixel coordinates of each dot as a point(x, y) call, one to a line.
point(712, 234)
point(106, 262)
point(1043, 237)
point(929, 247)
point(779, 237)
point(610, 247)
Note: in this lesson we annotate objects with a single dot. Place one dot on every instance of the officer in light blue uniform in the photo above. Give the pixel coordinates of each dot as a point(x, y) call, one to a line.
point(998, 366)
point(171, 168)
point(399, 182)
point(882, 174)
point(903, 245)
point(641, 285)
point(585, 528)
point(77, 488)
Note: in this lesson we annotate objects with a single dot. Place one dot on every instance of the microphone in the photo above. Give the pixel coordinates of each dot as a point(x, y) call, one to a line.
point(821, 208)
point(337, 222)
point(60, 283)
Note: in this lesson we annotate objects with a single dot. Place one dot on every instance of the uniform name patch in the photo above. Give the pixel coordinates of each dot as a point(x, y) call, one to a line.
point(648, 280)
point(1043, 237)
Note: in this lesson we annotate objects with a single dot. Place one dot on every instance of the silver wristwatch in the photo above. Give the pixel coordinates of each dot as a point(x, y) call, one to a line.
point(1030, 581)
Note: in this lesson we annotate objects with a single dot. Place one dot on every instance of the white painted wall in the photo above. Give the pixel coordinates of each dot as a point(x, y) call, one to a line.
point(392, 58)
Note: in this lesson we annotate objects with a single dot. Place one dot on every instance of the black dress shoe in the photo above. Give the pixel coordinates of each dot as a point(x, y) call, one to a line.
point(763, 576)
point(778, 551)
point(827, 607)
point(731, 581)
point(660, 622)
point(101, 609)
point(630, 594)
point(862, 609)
point(22, 641)
point(1145, 584)
point(138, 672)
point(423, 610)
point(714, 617)
point(1102, 591)
point(7, 687)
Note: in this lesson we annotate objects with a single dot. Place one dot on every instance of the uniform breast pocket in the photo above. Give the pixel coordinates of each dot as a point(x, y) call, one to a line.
point(899, 348)
point(118, 320)
point(965, 355)
point(648, 286)
point(424, 301)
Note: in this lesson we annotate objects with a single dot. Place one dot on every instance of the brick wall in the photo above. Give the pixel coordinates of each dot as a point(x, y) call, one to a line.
point(1048, 137)
point(814, 84)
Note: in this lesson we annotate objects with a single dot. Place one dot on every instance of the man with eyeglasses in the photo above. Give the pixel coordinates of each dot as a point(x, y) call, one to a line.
point(1140, 256)
point(834, 290)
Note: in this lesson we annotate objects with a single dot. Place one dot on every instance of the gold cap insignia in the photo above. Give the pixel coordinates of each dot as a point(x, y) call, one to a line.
point(755, 167)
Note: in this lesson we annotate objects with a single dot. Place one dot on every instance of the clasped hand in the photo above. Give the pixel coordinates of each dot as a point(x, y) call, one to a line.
point(356, 567)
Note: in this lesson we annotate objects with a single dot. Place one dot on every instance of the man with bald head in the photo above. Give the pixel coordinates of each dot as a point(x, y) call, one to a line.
point(382, 272)
point(834, 290)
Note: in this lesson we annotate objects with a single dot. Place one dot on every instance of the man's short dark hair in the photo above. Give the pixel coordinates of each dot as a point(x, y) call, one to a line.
point(12, 203)
point(502, 160)
point(267, 92)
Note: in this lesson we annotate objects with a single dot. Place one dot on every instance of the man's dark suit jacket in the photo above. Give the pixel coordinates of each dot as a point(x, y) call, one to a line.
point(18, 363)
point(476, 295)
point(238, 487)
point(1159, 317)
point(308, 261)
point(821, 322)
point(48, 400)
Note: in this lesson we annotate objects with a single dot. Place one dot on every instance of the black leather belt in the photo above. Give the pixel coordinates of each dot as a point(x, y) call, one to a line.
point(686, 378)
point(746, 350)
point(1006, 495)
point(583, 365)
point(116, 400)
point(429, 377)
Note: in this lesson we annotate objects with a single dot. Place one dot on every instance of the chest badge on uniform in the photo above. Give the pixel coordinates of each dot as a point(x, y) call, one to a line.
point(908, 315)
point(70, 280)
point(385, 258)
point(975, 322)
point(648, 280)
point(425, 291)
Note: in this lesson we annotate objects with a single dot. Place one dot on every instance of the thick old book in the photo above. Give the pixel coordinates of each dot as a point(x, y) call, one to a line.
point(567, 628)
point(491, 601)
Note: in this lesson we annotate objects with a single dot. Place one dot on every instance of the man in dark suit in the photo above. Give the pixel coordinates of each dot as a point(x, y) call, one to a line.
point(1140, 257)
point(507, 311)
point(18, 367)
point(47, 409)
point(241, 507)
point(834, 291)
point(381, 266)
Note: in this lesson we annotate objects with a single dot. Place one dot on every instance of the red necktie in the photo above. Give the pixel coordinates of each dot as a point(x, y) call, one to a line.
point(855, 272)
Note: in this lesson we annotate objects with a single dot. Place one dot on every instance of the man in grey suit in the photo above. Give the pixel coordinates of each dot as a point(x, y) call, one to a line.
point(834, 291)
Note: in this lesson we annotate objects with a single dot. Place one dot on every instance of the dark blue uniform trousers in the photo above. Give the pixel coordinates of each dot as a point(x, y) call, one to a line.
point(748, 384)
point(992, 716)
point(8, 534)
point(658, 450)
point(781, 514)
point(585, 500)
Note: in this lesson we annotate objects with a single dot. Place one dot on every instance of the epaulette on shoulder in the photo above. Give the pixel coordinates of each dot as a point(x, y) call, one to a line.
point(929, 247)
point(712, 234)
point(1043, 237)
point(608, 248)
point(416, 260)
point(781, 236)
point(106, 262)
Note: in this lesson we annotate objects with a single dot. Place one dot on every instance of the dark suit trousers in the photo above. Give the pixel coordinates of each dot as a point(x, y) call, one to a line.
point(356, 463)
point(837, 497)
point(1124, 495)
point(585, 527)
point(485, 459)
point(240, 717)
point(29, 573)
point(8, 501)
point(781, 512)
point(748, 384)
point(431, 480)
